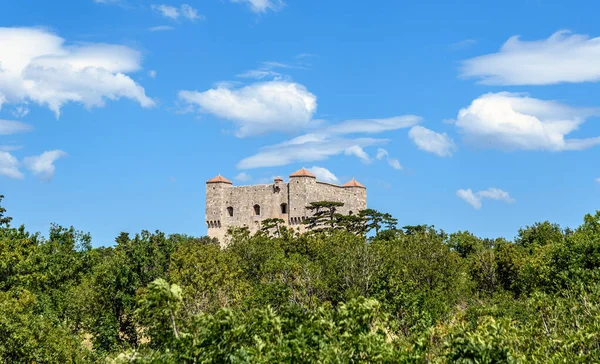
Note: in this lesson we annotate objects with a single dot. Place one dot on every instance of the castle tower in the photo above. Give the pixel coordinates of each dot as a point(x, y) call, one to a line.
point(301, 186)
point(215, 205)
point(357, 196)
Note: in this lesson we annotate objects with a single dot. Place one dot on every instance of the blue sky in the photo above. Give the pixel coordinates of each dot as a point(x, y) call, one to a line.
point(469, 117)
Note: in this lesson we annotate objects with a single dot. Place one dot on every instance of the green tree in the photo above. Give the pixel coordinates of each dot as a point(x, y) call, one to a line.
point(4, 220)
point(323, 215)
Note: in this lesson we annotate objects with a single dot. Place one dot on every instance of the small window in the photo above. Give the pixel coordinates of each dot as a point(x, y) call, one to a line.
point(256, 210)
point(350, 213)
point(230, 211)
point(284, 208)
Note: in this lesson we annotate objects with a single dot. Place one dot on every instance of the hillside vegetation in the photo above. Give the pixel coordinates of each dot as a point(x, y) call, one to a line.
point(354, 289)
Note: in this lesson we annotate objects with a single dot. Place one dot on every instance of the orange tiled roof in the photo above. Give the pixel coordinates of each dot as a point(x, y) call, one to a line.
point(353, 183)
point(302, 173)
point(219, 179)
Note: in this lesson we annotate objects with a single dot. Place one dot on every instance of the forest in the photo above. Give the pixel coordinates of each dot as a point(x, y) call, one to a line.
point(353, 289)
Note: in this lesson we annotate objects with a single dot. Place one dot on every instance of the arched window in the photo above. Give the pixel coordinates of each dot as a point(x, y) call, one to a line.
point(350, 213)
point(230, 211)
point(284, 208)
point(256, 210)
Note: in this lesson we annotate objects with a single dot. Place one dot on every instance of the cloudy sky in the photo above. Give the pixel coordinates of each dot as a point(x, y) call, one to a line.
point(113, 113)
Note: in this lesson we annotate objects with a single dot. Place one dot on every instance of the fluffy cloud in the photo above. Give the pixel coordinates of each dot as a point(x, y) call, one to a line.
point(515, 121)
point(171, 12)
point(563, 57)
point(432, 142)
point(36, 65)
point(167, 11)
point(323, 174)
point(8, 127)
point(42, 166)
point(258, 108)
point(475, 199)
point(261, 6)
point(359, 153)
point(9, 166)
point(394, 163)
point(243, 177)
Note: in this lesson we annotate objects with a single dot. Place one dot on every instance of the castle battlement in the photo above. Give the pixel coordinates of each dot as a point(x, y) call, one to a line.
point(246, 206)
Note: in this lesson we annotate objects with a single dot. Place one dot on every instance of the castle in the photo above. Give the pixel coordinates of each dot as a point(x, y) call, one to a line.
point(247, 206)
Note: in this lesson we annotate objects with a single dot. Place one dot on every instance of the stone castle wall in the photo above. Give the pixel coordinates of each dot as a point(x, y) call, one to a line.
point(228, 205)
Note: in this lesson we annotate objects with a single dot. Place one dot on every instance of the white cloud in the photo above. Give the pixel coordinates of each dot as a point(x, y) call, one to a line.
point(469, 197)
point(37, 66)
point(243, 177)
point(598, 180)
point(465, 43)
point(359, 153)
point(20, 111)
point(9, 166)
point(373, 126)
point(307, 151)
point(258, 108)
point(328, 141)
point(430, 141)
point(475, 199)
point(171, 12)
point(515, 121)
point(261, 6)
point(190, 13)
point(563, 57)
point(43, 165)
point(323, 174)
point(268, 70)
point(260, 74)
point(160, 28)
point(8, 127)
point(381, 153)
point(167, 11)
point(9, 148)
point(152, 73)
point(394, 163)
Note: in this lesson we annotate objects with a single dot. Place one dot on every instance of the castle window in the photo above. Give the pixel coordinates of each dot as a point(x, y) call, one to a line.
point(350, 213)
point(230, 211)
point(256, 210)
point(284, 208)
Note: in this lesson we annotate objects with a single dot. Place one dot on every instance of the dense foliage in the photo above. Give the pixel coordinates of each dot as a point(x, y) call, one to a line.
point(353, 289)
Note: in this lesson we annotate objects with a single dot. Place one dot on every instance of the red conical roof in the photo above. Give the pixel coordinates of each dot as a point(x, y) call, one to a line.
point(353, 183)
point(302, 173)
point(219, 179)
